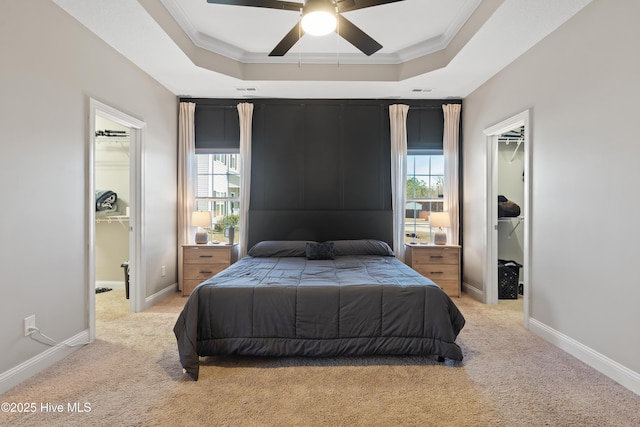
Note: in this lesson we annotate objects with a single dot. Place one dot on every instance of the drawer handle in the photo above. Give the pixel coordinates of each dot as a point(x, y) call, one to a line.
point(437, 272)
point(206, 256)
point(206, 272)
point(436, 256)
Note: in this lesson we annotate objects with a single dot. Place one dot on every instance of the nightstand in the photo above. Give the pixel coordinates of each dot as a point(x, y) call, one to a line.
point(440, 263)
point(201, 262)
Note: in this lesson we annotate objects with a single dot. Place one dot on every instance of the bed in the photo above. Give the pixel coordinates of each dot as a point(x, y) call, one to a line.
point(305, 298)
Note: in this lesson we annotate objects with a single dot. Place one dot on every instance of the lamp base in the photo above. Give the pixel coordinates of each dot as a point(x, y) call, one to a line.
point(440, 238)
point(202, 237)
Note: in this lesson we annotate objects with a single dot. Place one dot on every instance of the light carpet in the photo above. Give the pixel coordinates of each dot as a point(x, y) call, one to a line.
point(131, 376)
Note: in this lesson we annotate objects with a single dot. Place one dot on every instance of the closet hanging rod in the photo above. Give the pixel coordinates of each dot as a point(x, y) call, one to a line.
point(101, 140)
point(112, 133)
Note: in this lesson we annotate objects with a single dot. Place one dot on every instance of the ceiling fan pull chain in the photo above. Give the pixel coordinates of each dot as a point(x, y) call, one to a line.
point(300, 42)
point(338, 42)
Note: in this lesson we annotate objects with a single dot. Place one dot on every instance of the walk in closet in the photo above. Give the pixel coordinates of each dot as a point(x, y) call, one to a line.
point(112, 171)
point(511, 200)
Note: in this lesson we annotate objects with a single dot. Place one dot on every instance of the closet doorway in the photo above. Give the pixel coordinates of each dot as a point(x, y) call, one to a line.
point(508, 231)
point(115, 208)
point(113, 205)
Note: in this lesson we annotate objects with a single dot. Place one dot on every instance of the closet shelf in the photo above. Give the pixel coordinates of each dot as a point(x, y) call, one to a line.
point(518, 220)
point(113, 218)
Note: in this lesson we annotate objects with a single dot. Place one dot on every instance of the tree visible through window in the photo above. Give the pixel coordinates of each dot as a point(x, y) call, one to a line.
point(218, 191)
point(425, 187)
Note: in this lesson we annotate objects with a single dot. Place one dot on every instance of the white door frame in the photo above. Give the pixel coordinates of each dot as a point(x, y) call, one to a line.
point(137, 274)
point(491, 208)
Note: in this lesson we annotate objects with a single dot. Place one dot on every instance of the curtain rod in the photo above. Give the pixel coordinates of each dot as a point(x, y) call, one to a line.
point(217, 106)
point(381, 102)
point(426, 107)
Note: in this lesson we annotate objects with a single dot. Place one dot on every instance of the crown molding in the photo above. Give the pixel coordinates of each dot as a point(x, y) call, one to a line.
point(419, 49)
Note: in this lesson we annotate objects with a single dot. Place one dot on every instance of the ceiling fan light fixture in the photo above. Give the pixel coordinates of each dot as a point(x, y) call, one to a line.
point(319, 23)
point(318, 18)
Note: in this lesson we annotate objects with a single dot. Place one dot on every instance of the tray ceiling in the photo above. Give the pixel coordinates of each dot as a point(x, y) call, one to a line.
point(431, 48)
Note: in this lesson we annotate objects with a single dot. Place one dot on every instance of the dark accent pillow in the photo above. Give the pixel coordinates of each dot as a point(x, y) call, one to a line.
point(279, 248)
point(317, 251)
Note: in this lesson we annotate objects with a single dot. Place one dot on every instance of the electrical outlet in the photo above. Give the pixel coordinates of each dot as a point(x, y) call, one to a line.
point(163, 271)
point(29, 322)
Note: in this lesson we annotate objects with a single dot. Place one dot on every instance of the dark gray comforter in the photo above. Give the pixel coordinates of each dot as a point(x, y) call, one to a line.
point(353, 305)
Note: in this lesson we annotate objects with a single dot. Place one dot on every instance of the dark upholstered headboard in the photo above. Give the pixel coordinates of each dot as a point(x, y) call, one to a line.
point(320, 225)
point(320, 168)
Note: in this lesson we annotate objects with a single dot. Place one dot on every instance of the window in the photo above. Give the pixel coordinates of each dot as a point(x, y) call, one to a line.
point(425, 186)
point(218, 190)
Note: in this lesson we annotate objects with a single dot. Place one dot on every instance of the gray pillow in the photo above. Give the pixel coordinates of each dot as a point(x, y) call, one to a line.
point(361, 247)
point(279, 248)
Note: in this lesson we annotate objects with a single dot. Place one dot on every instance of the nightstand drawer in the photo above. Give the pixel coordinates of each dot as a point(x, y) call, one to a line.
point(450, 287)
point(436, 256)
point(206, 255)
point(434, 272)
point(189, 285)
point(203, 271)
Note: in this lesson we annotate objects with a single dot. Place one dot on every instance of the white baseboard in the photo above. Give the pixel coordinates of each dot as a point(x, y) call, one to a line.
point(23, 371)
point(160, 295)
point(612, 369)
point(473, 292)
point(109, 284)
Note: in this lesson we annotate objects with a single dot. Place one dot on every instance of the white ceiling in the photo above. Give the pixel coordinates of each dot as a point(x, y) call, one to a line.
point(432, 49)
point(405, 28)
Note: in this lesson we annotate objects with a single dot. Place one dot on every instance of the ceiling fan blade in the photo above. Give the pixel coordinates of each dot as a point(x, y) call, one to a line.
point(288, 41)
point(348, 5)
point(357, 37)
point(270, 4)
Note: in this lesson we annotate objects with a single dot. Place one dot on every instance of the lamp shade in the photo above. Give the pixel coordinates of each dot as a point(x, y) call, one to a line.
point(201, 219)
point(440, 219)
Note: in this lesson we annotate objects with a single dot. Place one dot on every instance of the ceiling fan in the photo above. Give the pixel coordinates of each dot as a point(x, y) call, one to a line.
point(329, 10)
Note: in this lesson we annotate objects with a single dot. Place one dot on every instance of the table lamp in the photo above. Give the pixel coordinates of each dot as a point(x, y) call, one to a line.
point(440, 219)
point(201, 219)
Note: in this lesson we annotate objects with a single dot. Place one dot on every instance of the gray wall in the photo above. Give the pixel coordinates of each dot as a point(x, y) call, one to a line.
point(51, 66)
point(582, 84)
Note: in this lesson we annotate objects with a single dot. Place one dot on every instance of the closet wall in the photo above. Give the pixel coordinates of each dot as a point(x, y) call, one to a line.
point(511, 185)
point(112, 166)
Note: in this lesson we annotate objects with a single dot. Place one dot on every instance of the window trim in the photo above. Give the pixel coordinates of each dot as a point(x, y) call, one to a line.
point(424, 152)
point(232, 200)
